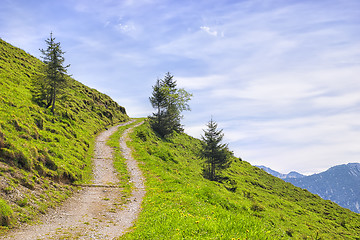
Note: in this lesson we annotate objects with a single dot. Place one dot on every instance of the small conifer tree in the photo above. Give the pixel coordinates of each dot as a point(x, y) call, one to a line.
point(53, 79)
point(215, 153)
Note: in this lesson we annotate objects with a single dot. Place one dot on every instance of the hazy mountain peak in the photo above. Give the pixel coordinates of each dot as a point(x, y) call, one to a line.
point(340, 184)
point(292, 174)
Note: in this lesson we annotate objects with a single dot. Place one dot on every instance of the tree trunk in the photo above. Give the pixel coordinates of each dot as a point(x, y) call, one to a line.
point(159, 110)
point(212, 173)
point(49, 100)
point(53, 101)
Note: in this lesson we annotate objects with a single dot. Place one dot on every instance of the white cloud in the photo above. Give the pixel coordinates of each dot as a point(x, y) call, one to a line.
point(270, 89)
point(209, 31)
point(125, 27)
point(198, 83)
point(346, 100)
point(296, 144)
point(195, 130)
point(134, 107)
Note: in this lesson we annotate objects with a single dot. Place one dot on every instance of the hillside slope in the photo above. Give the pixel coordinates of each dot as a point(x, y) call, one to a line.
point(248, 204)
point(39, 152)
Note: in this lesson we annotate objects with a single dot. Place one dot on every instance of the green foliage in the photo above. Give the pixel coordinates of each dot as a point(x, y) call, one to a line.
point(5, 213)
point(247, 204)
point(38, 148)
point(217, 155)
point(169, 103)
point(53, 78)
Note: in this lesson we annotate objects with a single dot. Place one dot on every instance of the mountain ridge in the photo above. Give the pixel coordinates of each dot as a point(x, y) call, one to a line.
point(292, 174)
point(340, 184)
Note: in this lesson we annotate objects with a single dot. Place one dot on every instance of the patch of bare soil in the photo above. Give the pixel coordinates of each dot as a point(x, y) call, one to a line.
point(93, 212)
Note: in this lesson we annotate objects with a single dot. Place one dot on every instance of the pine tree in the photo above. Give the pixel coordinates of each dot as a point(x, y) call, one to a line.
point(53, 80)
point(169, 101)
point(216, 154)
point(158, 101)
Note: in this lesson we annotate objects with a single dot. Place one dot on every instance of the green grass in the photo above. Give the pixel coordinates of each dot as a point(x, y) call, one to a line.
point(5, 213)
point(120, 161)
point(247, 204)
point(41, 153)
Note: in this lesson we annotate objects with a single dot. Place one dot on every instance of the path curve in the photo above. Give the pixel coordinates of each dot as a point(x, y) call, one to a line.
point(93, 212)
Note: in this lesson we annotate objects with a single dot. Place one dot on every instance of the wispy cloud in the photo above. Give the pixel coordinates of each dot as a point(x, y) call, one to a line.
point(281, 77)
point(125, 27)
point(290, 83)
point(316, 139)
point(210, 31)
point(201, 83)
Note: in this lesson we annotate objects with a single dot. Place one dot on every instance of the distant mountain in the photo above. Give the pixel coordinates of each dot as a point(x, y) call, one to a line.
point(340, 184)
point(292, 174)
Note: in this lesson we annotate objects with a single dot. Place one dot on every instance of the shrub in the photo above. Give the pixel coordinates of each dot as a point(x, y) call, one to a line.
point(5, 213)
point(22, 160)
point(23, 202)
point(39, 122)
point(256, 207)
point(290, 232)
point(2, 140)
point(142, 136)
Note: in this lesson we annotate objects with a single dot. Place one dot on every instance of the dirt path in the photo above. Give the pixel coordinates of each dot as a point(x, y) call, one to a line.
point(93, 212)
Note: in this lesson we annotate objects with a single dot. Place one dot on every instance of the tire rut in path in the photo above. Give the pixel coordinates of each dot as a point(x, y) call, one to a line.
point(94, 212)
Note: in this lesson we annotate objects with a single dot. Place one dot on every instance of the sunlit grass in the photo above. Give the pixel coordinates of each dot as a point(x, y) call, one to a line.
point(120, 161)
point(40, 153)
point(248, 204)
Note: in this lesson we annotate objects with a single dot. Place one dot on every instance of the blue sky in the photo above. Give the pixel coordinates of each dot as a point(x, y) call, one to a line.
point(281, 77)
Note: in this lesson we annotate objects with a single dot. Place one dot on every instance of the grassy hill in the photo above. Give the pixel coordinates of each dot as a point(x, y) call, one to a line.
point(41, 153)
point(248, 204)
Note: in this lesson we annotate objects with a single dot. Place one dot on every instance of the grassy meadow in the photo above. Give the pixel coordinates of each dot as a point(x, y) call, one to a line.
point(247, 204)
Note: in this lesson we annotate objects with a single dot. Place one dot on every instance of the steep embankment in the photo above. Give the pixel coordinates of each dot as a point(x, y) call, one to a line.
point(41, 153)
point(248, 204)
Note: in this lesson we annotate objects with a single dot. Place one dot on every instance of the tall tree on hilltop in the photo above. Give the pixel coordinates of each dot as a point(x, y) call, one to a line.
point(158, 101)
point(216, 154)
point(169, 102)
point(53, 79)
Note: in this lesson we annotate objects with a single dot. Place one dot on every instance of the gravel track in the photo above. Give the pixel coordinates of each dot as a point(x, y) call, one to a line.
point(94, 212)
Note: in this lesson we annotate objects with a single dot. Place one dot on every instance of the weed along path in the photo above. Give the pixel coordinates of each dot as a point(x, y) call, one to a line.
point(94, 212)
